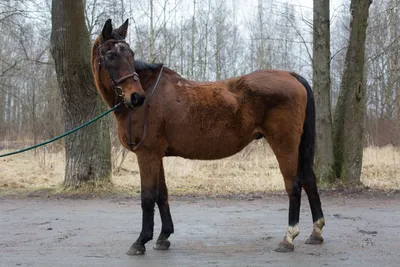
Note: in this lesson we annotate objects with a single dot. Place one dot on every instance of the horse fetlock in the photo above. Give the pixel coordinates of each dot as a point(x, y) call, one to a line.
point(286, 245)
point(317, 227)
point(145, 237)
point(167, 230)
point(316, 235)
point(291, 233)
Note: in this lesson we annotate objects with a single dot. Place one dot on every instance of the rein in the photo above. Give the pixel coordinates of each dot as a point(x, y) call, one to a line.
point(146, 113)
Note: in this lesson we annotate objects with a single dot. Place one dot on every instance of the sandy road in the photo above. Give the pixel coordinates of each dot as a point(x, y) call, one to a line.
point(360, 231)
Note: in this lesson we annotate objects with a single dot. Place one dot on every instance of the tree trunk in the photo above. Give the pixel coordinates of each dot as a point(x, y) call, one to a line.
point(349, 113)
point(324, 160)
point(394, 69)
point(261, 41)
point(152, 34)
point(2, 114)
point(88, 153)
point(193, 41)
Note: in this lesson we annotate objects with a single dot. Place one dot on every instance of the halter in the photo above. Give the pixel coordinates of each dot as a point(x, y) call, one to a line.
point(120, 92)
point(115, 82)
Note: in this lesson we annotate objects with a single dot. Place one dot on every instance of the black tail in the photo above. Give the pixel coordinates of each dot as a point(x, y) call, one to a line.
point(307, 143)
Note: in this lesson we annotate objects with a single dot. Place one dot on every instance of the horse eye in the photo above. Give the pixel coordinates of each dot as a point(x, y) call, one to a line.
point(110, 56)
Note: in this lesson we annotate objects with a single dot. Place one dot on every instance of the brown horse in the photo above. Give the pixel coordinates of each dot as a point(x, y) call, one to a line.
point(167, 115)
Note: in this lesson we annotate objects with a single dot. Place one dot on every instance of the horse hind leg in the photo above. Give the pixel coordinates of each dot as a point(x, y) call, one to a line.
point(305, 166)
point(286, 152)
point(283, 134)
point(297, 170)
point(287, 163)
point(310, 186)
point(167, 227)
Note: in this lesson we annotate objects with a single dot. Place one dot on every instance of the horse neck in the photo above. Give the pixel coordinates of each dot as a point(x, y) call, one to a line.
point(148, 77)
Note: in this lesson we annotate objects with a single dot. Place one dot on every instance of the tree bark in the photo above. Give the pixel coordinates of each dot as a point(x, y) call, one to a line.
point(324, 160)
point(88, 153)
point(350, 109)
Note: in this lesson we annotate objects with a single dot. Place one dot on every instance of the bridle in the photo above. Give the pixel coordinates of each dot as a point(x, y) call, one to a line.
point(120, 92)
point(116, 82)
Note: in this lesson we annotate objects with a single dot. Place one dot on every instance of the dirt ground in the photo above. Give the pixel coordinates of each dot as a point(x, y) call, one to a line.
point(361, 230)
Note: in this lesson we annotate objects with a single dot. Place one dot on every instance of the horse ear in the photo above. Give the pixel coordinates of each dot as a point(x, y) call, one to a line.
point(107, 30)
point(123, 29)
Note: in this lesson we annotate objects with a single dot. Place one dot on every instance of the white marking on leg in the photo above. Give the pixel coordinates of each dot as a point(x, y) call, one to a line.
point(292, 232)
point(317, 227)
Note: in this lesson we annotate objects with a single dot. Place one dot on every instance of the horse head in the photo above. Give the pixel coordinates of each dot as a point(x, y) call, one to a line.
point(116, 65)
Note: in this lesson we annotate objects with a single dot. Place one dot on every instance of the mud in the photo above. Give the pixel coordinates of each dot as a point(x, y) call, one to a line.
point(359, 231)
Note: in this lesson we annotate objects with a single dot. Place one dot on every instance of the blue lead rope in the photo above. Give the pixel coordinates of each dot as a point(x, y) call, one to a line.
point(63, 135)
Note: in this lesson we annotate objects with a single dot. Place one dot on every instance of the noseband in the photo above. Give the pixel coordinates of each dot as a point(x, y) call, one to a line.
point(116, 82)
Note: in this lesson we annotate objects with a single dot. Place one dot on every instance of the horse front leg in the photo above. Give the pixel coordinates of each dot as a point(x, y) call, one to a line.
point(149, 165)
point(167, 227)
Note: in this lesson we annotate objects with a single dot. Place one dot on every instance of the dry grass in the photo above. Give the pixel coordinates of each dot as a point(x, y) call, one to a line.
point(32, 169)
point(253, 170)
point(381, 168)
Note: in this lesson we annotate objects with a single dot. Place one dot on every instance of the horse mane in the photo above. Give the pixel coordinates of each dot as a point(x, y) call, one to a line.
point(141, 65)
point(93, 52)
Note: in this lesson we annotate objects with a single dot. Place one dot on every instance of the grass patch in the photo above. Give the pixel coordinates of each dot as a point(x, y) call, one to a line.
point(252, 171)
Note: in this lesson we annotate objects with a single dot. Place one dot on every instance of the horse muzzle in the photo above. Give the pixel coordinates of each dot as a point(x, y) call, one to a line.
point(136, 100)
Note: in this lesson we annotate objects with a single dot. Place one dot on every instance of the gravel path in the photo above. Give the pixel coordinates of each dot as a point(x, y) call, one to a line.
point(360, 231)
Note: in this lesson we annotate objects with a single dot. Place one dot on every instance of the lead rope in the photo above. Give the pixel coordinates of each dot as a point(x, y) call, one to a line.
point(114, 108)
point(146, 113)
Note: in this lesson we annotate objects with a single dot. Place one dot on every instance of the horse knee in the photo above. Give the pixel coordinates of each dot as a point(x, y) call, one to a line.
point(148, 201)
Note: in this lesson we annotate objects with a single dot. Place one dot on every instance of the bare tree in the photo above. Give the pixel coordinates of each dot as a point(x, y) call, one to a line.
point(220, 40)
point(350, 109)
point(324, 161)
point(88, 159)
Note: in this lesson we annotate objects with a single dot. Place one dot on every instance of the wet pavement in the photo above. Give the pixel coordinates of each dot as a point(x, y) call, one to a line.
point(359, 231)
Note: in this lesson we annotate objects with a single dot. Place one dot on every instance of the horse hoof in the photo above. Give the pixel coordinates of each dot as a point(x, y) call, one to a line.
point(284, 246)
point(314, 240)
point(162, 245)
point(136, 249)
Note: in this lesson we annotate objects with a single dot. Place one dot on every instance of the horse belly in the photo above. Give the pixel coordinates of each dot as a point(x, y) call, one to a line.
point(209, 143)
point(211, 123)
point(205, 150)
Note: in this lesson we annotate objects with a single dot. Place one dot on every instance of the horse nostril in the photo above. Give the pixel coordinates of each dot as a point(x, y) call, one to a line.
point(137, 99)
point(133, 98)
